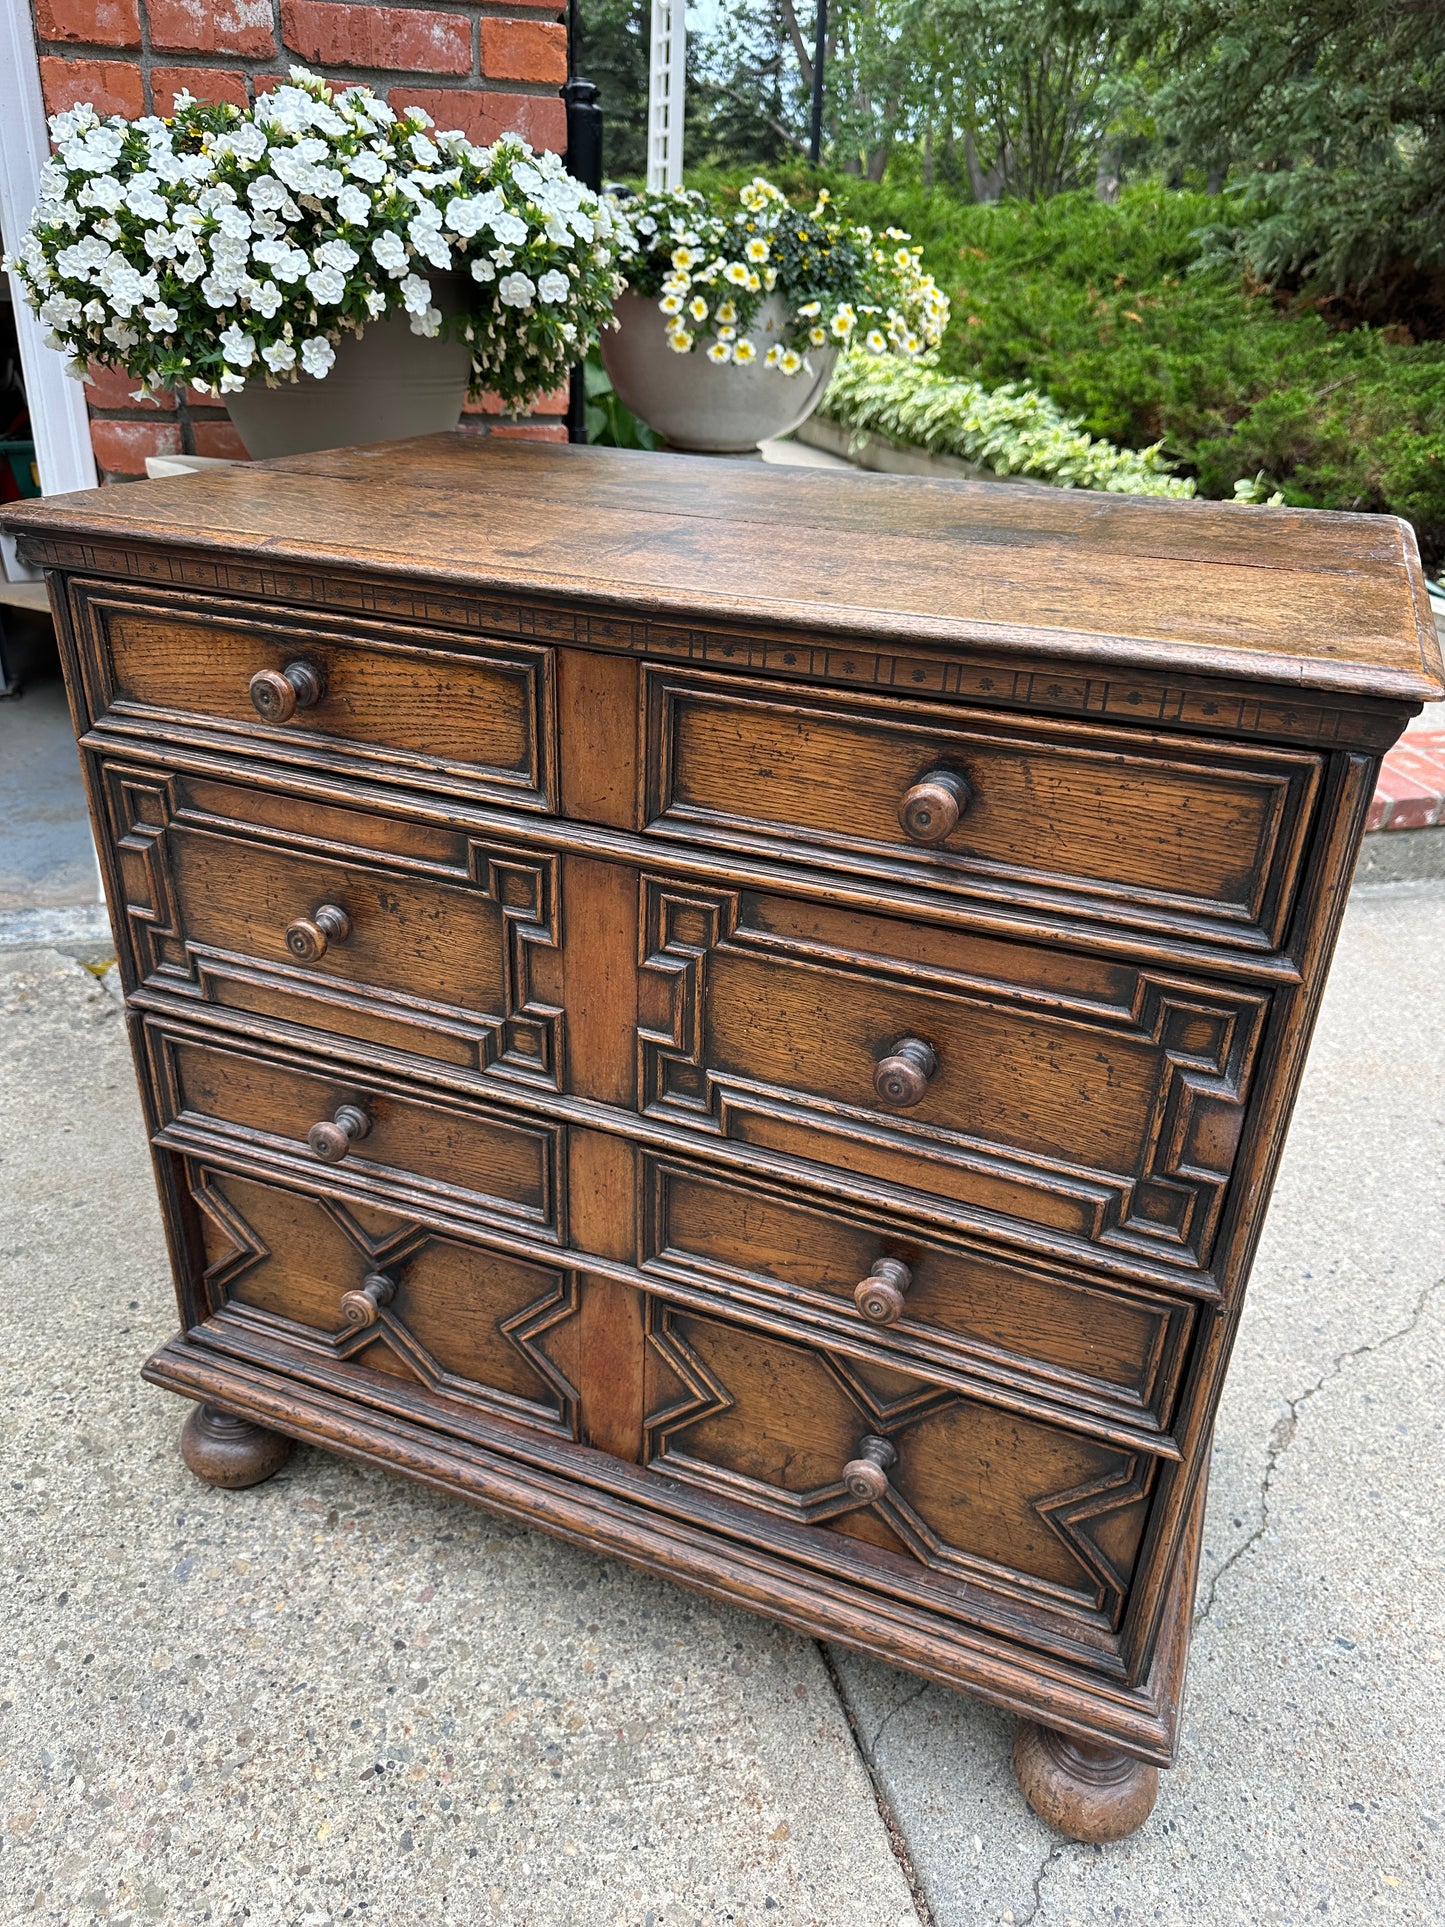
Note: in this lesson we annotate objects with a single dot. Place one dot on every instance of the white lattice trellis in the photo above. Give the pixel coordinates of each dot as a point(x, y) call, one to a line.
point(666, 84)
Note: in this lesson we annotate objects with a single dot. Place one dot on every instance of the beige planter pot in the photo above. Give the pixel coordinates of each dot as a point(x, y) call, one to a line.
point(386, 384)
point(697, 405)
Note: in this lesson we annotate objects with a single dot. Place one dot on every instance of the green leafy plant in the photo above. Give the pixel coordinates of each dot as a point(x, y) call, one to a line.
point(712, 264)
point(610, 422)
point(224, 246)
point(1012, 430)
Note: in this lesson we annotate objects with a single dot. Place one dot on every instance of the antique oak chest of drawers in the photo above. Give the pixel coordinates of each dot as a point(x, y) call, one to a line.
point(744, 1016)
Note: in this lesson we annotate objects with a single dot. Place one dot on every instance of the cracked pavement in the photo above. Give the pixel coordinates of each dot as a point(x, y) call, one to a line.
point(340, 1697)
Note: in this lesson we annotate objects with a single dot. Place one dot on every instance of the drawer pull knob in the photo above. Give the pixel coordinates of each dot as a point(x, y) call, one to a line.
point(307, 939)
point(277, 694)
point(866, 1477)
point(880, 1296)
point(903, 1075)
point(930, 811)
point(363, 1307)
point(333, 1137)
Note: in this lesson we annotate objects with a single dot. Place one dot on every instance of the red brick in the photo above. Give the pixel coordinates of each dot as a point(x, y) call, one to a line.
point(213, 26)
point(524, 50)
point(218, 438)
point(1375, 820)
point(396, 39)
point(553, 404)
point(109, 86)
point(95, 23)
point(532, 431)
point(1409, 804)
point(540, 119)
point(206, 83)
point(113, 388)
point(121, 447)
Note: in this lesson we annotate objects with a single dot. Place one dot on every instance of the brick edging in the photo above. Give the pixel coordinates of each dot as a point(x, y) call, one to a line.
point(1410, 794)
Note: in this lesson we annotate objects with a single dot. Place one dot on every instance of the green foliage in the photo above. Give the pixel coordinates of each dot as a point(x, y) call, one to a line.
point(1013, 430)
point(610, 422)
point(1097, 306)
point(1336, 109)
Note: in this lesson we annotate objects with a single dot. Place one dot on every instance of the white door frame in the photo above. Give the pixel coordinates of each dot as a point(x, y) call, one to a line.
point(58, 416)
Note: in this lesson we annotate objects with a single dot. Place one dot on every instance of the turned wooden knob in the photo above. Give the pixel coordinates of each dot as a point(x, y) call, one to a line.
point(880, 1295)
point(902, 1076)
point(362, 1307)
point(866, 1477)
point(930, 811)
point(308, 937)
point(277, 694)
point(333, 1137)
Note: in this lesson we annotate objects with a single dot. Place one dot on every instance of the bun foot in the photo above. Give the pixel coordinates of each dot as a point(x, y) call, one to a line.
point(1092, 1793)
point(229, 1451)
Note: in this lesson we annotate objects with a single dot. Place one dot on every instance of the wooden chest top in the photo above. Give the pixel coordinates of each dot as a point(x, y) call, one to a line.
point(1291, 597)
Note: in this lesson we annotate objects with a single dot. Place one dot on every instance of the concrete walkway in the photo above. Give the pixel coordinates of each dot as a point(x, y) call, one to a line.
point(341, 1698)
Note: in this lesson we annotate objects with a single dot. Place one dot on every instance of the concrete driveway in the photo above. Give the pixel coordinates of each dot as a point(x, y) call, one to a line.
point(342, 1698)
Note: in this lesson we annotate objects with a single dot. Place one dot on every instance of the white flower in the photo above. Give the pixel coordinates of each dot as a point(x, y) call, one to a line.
point(510, 230)
point(317, 356)
point(375, 302)
point(233, 222)
point(337, 254)
point(327, 285)
point(680, 341)
point(416, 294)
point(190, 268)
point(720, 351)
point(162, 243)
point(231, 383)
point(104, 191)
point(554, 286)
point(744, 351)
point(60, 311)
point(161, 318)
point(790, 362)
point(516, 290)
point(876, 341)
point(220, 294)
point(482, 269)
point(352, 205)
point(469, 214)
point(279, 356)
point(423, 151)
point(367, 166)
point(427, 238)
point(266, 192)
point(237, 345)
point(390, 251)
point(291, 265)
point(428, 323)
point(264, 299)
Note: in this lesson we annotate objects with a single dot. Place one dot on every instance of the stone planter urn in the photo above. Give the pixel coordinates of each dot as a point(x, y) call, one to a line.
point(704, 407)
point(386, 384)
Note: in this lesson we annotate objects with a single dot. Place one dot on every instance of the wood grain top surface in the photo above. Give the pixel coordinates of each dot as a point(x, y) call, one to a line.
point(1296, 597)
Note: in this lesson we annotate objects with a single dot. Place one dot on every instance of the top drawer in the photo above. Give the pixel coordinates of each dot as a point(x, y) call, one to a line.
point(473, 720)
point(1200, 840)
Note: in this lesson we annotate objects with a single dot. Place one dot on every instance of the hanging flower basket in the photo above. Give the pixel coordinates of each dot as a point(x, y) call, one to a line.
point(335, 270)
point(735, 314)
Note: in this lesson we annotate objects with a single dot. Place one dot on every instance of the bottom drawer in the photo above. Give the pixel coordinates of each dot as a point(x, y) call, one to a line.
point(392, 1310)
point(936, 1496)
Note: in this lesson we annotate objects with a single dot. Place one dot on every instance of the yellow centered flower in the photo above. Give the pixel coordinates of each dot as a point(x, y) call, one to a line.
point(726, 312)
point(790, 362)
point(773, 356)
point(736, 273)
point(697, 308)
point(817, 336)
point(683, 257)
point(876, 341)
point(757, 250)
point(672, 304)
point(754, 283)
point(719, 352)
point(744, 351)
point(680, 341)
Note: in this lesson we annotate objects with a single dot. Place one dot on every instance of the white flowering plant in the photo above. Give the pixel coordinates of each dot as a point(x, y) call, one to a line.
point(222, 245)
point(711, 266)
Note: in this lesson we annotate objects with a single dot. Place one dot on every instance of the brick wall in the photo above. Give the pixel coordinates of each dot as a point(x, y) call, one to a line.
point(488, 69)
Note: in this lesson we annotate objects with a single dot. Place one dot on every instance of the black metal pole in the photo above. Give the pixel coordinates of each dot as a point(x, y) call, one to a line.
point(584, 163)
point(820, 54)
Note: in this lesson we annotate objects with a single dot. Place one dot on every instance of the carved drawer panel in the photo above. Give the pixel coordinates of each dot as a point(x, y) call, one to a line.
point(395, 707)
point(1022, 1087)
point(1162, 833)
point(384, 1304)
point(366, 926)
point(381, 1138)
point(937, 1496)
point(1028, 1333)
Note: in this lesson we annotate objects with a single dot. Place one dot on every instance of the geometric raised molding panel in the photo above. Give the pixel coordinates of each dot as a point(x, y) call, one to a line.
point(1106, 1107)
point(207, 904)
point(459, 1320)
point(773, 1423)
